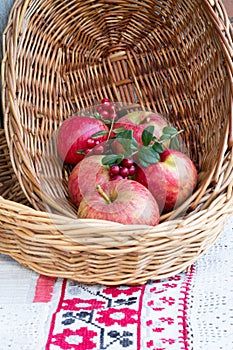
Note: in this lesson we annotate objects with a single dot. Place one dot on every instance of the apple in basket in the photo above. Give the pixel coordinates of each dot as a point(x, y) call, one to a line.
point(91, 171)
point(123, 201)
point(171, 180)
point(137, 121)
point(74, 138)
point(86, 175)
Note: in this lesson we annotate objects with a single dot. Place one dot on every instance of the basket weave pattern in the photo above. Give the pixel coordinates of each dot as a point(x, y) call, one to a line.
point(174, 57)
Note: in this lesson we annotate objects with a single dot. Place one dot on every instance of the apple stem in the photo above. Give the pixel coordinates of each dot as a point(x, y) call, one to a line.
point(103, 194)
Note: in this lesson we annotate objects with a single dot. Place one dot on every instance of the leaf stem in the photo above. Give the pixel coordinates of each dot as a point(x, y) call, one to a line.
point(170, 137)
point(178, 132)
point(111, 128)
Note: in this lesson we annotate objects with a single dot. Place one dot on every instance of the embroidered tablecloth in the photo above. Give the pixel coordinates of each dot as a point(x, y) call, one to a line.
point(189, 311)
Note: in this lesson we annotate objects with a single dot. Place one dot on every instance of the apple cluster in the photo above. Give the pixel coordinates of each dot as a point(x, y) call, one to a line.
point(126, 169)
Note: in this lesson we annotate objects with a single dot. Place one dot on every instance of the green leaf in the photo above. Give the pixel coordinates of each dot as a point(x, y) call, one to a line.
point(127, 140)
point(134, 145)
point(170, 130)
point(96, 116)
point(99, 117)
point(120, 129)
point(174, 144)
point(112, 159)
point(127, 144)
point(147, 135)
point(148, 155)
point(126, 134)
point(99, 134)
point(80, 151)
point(144, 164)
point(165, 137)
point(157, 147)
point(128, 154)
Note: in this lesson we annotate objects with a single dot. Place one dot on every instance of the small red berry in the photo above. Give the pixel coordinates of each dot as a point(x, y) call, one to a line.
point(88, 150)
point(104, 100)
point(127, 162)
point(90, 143)
point(132, 170)
point(107, 105)
point(124, 172)
point(99, 109)
point(114, 169)
point(105, 113)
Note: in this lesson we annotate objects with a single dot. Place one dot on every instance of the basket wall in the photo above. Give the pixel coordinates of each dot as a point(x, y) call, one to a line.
point(174, 57)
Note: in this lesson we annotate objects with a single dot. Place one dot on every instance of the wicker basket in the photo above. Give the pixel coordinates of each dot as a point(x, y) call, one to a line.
point(59, 57)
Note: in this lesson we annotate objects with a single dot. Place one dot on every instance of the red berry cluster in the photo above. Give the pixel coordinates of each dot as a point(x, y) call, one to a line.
point(107, 109)
point(94, 145)
point(123, 170)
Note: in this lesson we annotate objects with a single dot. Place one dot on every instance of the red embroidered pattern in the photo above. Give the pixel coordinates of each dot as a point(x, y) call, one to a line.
point(152, 316)
point(62, 339)
point(185, 289)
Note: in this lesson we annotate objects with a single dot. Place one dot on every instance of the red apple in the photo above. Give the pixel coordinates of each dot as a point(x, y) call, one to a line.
point(86, 175)
point(75, 134)
point(171, 180)
point(137, 122)
point(123, 201)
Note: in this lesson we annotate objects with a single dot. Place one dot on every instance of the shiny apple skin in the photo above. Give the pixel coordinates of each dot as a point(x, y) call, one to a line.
point(131, 203)
point(171, 181)
point(138, 121)
point(73, 135)
point(85, 176)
